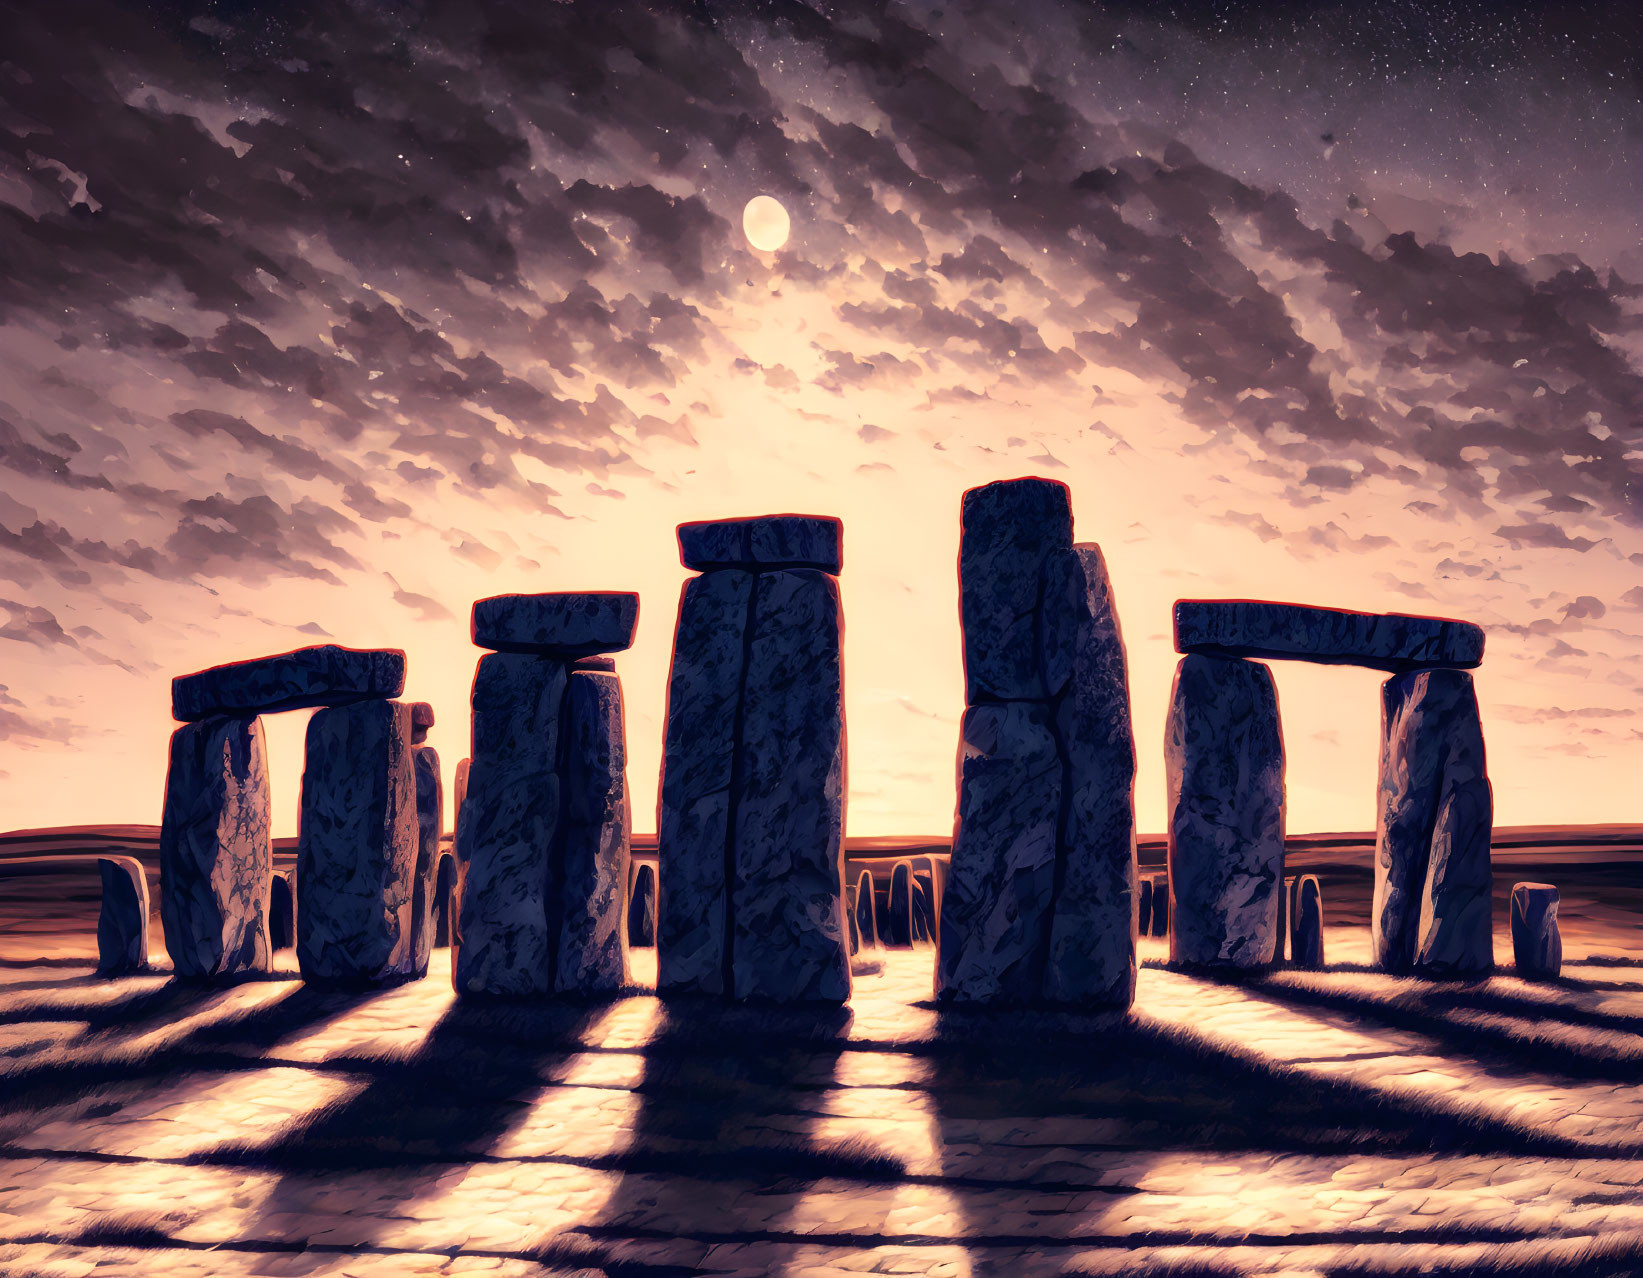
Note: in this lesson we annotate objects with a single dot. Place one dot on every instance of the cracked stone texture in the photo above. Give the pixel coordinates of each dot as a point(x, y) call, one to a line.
point(505, 943)
point(1008, 531)
point(704, 693)
point(326, 675)
point(642, 907)
point(1431, 748)
point(1537, 945)
point(1224, 791)
point(764, 542)
point(282, 911)
point(995, 909)
point(1307, 930)
point(430, 821)
point(357, 848)
point(789, 939)
point(215, 850)
point(567, 624)
point(1331, 636)
point(593, 851)
point(1093, 929)
point(122, 917)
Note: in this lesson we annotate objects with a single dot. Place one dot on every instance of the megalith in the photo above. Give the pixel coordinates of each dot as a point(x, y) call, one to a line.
point(1224, 783)
point(282, 911)
point(1143, 908)
point(898, 917)
point(1537, 944)
point(122, 919)
point(593, 945)
point(430, 822)
point(1307, 929)
point(445, 899)
point(867, 914)
point(642, 907)
point(1160, 905)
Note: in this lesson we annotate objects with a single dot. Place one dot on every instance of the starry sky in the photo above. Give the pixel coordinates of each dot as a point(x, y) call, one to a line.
point(318, 322)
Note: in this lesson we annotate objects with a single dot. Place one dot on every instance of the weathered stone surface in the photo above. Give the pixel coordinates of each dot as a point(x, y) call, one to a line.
point(445, 899)
point(282, 911)
point(897, 920)
point(1456, 938)
point(505, 943)
point(1431, 747)
point(122, 920)
point(1307, 932)
point(430, 821)
point(867, 914)
point(995, 910)
point(789, 942)
point(1143, 908)
point(1331, 636)
point(1092, 936)
point(1537, 943)
point(566, 624)
point(592, 874)
point(422, 718)
point(1160, 905)
point(693, 824)
point(642, 907)
point(357, 849)
point(1009, 529)
point(764, 542)
point(1224, 779)
point(924, 929)
point(215, 850)
point(321, 676)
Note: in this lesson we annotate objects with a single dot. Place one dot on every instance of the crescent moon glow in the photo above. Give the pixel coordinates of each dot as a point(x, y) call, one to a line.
point(766, 223)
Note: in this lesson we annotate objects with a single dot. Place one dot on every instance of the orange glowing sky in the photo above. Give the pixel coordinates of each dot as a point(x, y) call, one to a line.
point(281, 367)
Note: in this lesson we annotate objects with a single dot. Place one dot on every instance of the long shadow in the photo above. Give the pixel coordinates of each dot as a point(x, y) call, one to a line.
point(1426, 1012)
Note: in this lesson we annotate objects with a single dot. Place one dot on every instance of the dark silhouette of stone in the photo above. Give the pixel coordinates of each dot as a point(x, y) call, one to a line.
point(122, 920)
point(897, 922)
point(1431, 911)
point(764, 542)
point(1224, 778)
point(1009, 529)
point(357, 849)
point(282, 911)
point(1537, 944)
point(606, 664)
point(1143, 908)
point(1160, 905)
point(789, 942)
point(1331, 636)
point(593, 870)
point(693, 825)
point(923, 911)
point(430, 821)
point(642, 907)
point(422, 718)
point(459, 794)
point(995, 910)
point(1307, 934)
point(444, 899)
point(215, 850)
point(1092, 938)
point(867, 914)
point(509, 827)
point(850, 922)
point(1286, 919)
point(321, 676)
point(567, 624)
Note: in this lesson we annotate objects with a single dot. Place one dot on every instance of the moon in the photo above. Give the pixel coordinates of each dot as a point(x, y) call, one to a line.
point(766, 223)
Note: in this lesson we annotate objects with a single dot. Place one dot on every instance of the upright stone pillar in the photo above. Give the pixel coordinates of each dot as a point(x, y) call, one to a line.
point(593, 946)
point(215, 851)
point(1224, 778)
point(430, 821)
point(122, 920)
point(642, 908)
point(357, 851)
point(751, 826)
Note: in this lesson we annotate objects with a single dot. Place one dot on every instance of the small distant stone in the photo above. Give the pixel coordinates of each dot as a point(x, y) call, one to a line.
point(1143, 911)
point(1393, 642)
point(422, 715)
point(765, 541)
point(1537, 942)
point(1306, 933)
point(567, 624)
point(605, 665)
point(326, 675)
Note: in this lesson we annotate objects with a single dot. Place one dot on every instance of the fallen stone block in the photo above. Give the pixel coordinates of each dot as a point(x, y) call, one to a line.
point(642, 907)
point(764, 542)
point(593, 870)
point(1331, 636)
point(567, 625)
point(282, 911)
point(215, 850)
point(1307, 933)
point(1537, 943)
point(1224, 791)
point(357, 847)
point(321, 676)
point(122, 919)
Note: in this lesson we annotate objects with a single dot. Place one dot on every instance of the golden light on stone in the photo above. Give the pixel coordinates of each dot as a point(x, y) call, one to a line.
point(766, 223)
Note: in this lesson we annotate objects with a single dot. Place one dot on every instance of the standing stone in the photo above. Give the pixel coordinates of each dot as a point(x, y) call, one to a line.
point(593, 861)
point(1224, 765)
point(924, 927)
point(1143, 909)
point(282, 912)
point(867, 915)
point(566, 624)
point(357, 851)
point(459, 794)
point(694, 854)
point(789, 942)
point(1537, 944)
point(1160, 905)
point(422, 718)
point(1431, 751)
point(430, 820)
point(1000, 879)
point(1009, 529)
point(898, 916)
point(122, 920)
point(1286, 919)
point(1307, 935)
point(1092, 935)
point(642, 908)
point(215, 850)
point(445, 899)
point(504, 944)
